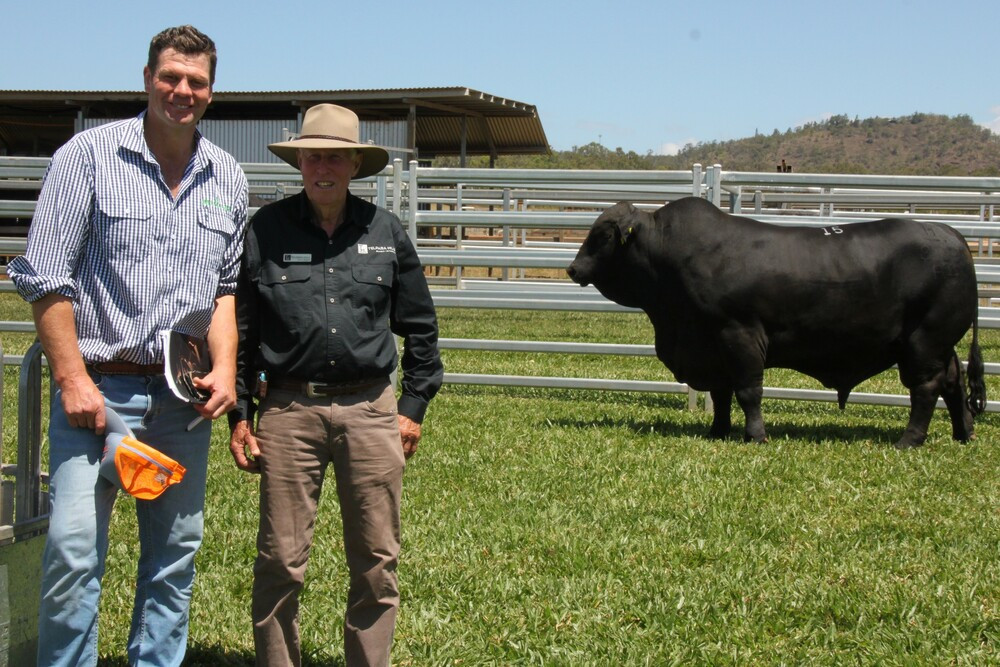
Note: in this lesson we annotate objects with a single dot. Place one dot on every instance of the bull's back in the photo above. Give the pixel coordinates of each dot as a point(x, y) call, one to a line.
point(875, 264)
point(880, 263)
point(853, 286)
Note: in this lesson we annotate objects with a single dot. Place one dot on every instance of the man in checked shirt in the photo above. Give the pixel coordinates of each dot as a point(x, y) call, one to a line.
point(138, 230)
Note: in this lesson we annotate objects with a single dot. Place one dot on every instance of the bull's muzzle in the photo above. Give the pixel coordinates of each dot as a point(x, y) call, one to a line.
point(574, 274)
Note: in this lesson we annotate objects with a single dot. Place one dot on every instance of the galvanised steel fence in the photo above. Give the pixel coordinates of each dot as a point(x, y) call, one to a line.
point(502, 238)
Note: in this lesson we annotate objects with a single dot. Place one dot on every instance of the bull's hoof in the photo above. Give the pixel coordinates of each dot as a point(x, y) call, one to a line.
point(720, 431)
point(908, 444)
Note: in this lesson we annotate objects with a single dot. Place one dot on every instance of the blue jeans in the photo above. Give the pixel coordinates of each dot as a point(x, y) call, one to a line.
point(170, 528)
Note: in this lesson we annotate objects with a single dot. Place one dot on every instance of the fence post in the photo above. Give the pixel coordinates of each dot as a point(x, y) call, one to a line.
point(735, 200)
point(380, 197)
point(505, 272)
point(459, 233)
point(397, 187)
point(696, 179)
point(412, 202)
point(29, 436)
point(3, 493)
point(716, 177)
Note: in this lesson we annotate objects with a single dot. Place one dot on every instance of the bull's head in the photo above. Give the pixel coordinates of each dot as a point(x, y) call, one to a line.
point(603, 258)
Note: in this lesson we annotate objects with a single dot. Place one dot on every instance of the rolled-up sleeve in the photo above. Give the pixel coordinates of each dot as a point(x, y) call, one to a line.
point(59, 227)
point(229, 274)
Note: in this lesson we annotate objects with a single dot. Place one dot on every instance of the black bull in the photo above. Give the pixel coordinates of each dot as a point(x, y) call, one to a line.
point(730, 296)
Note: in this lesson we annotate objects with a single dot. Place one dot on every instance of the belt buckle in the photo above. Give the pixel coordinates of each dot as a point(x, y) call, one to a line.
point(311, 389)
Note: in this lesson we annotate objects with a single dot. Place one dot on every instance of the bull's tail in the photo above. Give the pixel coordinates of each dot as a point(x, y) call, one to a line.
point(975, 374)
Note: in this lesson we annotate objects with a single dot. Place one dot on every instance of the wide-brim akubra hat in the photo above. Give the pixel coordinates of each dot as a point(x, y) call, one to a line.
point(332, 126)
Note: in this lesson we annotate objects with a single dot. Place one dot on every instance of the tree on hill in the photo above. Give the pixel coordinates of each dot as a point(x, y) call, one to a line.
point(922, 143)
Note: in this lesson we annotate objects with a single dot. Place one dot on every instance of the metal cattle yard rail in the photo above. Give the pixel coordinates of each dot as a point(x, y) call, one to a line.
point(525, 226)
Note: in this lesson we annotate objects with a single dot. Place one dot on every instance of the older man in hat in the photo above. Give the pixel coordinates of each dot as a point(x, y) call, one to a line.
point(328, 281)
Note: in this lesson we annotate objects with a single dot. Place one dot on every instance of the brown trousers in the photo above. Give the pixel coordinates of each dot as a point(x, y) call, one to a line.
point(299, 437)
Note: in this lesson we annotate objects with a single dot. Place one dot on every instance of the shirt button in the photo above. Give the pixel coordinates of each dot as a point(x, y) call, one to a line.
point(333, 331)
point(329, 270)
point(379, 279)
point(284, 277)
point(332, 300)
point(333, 363)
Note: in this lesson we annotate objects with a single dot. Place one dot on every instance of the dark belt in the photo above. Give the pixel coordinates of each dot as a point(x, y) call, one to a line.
point(125, 368)
point(317, 389)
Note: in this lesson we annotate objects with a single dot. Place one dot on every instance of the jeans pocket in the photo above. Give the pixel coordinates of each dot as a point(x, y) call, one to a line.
point(384, 404)
point(278, 401)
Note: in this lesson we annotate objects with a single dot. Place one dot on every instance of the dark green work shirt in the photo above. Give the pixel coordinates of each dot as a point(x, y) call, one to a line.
point(324, 309)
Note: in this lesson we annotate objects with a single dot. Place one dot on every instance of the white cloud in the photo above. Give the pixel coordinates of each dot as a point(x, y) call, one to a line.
point(671, 148)
point(822, 118)
point(995, 123)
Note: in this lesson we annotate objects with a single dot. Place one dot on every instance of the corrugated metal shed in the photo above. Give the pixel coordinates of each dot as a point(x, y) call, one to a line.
point(247, 140)
point(427, 121)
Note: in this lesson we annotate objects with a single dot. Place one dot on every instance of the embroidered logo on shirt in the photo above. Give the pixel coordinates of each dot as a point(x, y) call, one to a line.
point(362, 248)
point(382, 248)
point(215, 202)
point(297, 257)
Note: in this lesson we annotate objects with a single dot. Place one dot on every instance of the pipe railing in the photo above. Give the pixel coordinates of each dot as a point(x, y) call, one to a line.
point(521, 202)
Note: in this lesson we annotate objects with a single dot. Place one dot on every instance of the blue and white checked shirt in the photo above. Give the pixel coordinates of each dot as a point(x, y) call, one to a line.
point(108, 234)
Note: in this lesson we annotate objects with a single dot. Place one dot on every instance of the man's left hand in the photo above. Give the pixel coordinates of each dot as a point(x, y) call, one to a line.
point(223, 389)
point(409, 433)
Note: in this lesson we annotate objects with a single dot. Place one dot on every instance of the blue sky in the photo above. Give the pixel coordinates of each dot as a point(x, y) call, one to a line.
point(647, 75)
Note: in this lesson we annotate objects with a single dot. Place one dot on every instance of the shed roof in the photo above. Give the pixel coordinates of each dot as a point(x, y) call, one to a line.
point(35, 122)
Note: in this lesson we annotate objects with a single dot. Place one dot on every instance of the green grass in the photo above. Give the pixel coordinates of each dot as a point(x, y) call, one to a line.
point(563, 527)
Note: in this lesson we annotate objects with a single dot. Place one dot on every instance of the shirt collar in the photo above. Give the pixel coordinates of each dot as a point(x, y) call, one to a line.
point(351, 216)
point(133, 139)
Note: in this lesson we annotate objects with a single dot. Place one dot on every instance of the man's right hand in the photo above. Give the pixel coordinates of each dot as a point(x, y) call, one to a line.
point(243, 446)
point(83, 403)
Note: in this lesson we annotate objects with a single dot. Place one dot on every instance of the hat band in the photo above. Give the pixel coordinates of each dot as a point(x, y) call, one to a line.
point(327, 136)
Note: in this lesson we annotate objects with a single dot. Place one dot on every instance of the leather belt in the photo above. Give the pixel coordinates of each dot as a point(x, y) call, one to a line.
point(125, 368)
point(317, 389)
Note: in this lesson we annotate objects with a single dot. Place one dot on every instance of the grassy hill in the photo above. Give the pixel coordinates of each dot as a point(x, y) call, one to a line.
point(919, 144)
point(926, 144)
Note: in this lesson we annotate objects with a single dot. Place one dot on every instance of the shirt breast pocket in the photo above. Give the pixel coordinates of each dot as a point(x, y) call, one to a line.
point(286, 290)
point(214, 234)
point(371, 295)
point(124, 228)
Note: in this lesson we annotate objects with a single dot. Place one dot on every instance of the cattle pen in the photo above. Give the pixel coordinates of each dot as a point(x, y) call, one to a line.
point(497, 240)
point(495, 244)
point(502, 238)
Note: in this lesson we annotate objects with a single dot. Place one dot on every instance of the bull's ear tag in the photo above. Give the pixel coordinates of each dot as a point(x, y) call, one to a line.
point(625, 238)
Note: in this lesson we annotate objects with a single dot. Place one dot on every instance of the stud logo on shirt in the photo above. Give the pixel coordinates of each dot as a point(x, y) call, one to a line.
point(215, 202)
